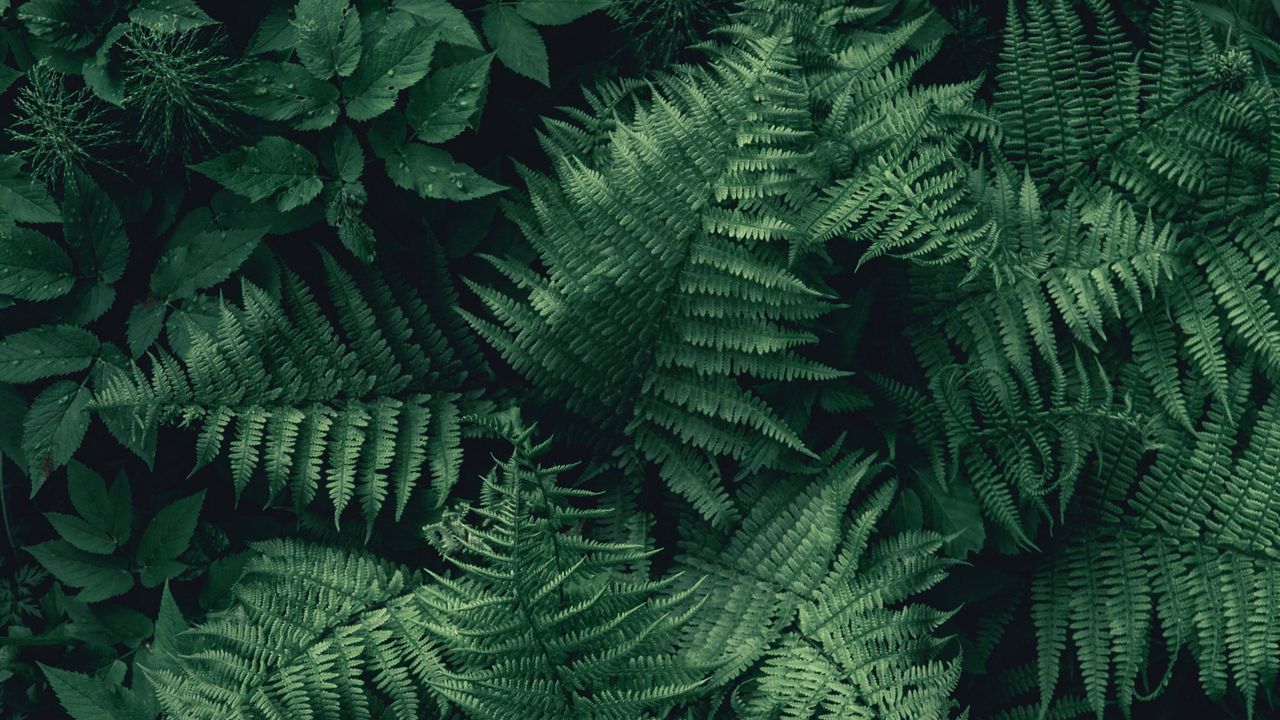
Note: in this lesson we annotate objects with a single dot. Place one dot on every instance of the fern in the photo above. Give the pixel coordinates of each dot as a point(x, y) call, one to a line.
point(358, 407)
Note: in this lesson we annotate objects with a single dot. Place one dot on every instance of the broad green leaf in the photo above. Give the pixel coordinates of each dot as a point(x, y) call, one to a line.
point(88, 493)
point(273, 167)
point(168, 534)
point(169, 625)
point(442, 107)
point(170, 16)
point(286, 92)
point(123, 625)
point(53, 428)
point(91, 223)
point(103, 76)
point(85, 697)
point(46, 351)
point(143, 326)
point(101, 576)
point(32, 266)
point(136, 436)
point(395, 57)
point(557, 12)
point(347, 157)
point(200, 254)
point(120, 498)
point(455, 29)
point(7, 77)
point(81, 534)
point(328, 37)
point(433, 173)
point(65, 24)
point(275, 34)
point(517, 43)
point(199, 314)
point(86, 302)
point(23, 198)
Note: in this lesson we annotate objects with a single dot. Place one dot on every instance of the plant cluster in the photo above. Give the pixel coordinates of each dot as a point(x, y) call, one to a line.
point(807, 359)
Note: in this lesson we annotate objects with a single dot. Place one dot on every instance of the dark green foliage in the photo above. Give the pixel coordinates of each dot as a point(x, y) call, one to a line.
point(807, 359)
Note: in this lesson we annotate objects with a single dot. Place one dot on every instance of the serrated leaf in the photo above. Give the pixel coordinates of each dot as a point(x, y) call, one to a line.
point(396, 57)
point(274, 34)
point(517, 43)
point(272, 167)
point(120, 500)
point(169, 532)
point(433, 173)
point(143, 326)
point(557, 12)
point(131, 431)
point(286, 92)
point(81, 534)
point(64, 24)
point(101, 576)
point(23, 198)
point(442, 107)
point(103, 76)
point(200, 255)
point(53, 429)
point(13, 408)
point(46, 351)
point(169, 625)
point(328, 37)
point(85, 697)
point(33, 266)
point(170, 16)
point(157, 573)
point(347, 157)
point(88, 494)
point(92, 224)
point(455, 29)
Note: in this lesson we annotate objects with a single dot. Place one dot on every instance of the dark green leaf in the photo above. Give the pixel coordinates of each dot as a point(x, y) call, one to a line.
point(25, 199)
point(169, 532)
point(275, 34)
point(170, 16)
point(101, 576)
point(455, 29)
point(92, 224)
point(286, 92)
point(328, 37)
point(396, 57)
point(200, 255)
point(442, 107)
point(32, 266)
point(433, 173)
point(53, 429)
point(88, 493)
point(517, 43)
point(90, 698)
point(143, 326)
point(272, 167)
point(81, 534)
point(46, 351)
point(557, 12)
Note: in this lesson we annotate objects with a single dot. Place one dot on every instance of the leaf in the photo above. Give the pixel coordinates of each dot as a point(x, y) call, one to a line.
point(53, 429)
point(22, 197)
point(32, 266)
point(64, 24)
point(275, 34)
point(143, 326)
point(81, 534)
point(103, 76)
point(200, 255)
point(347, 156)
point(46, 351)
point(442, 107)
point(433, 173)
point(88, 494)
point(168, 533)
point(396, 57)
point(273, 166)
point(13, 408)
point(85, 697)
point(120, 499)
point(328, 37)
point(517, 43)
point(286, 92)
point(455, 29)
point(101, 577)
point(170, 16)
point(91, 223)
point(128, 429)
point(169, 624)
point(557, 12)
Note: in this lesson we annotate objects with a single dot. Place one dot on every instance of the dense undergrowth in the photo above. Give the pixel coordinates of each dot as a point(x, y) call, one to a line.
point(663, 359)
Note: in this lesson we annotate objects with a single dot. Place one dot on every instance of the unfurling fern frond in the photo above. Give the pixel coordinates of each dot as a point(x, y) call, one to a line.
point(358, 407)
point(803, 596)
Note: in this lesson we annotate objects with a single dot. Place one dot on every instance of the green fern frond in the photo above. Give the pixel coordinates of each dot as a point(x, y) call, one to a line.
point(358, 406)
